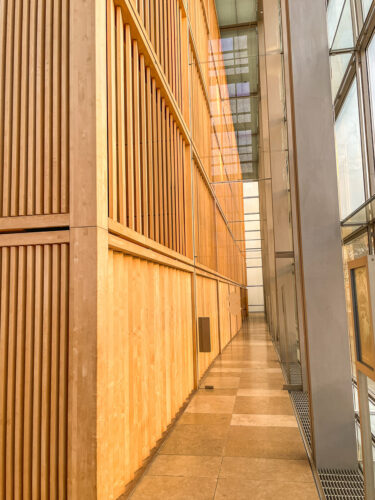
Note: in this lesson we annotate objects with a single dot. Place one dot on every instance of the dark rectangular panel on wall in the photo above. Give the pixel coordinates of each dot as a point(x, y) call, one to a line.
point(204, 335)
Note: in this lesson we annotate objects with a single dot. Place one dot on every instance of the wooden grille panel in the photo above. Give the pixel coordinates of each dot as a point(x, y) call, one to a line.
point(147, 151)
point(34, 104)
point(33, 371)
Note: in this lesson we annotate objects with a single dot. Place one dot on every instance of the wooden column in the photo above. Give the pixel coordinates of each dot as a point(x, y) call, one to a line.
point(89, 237)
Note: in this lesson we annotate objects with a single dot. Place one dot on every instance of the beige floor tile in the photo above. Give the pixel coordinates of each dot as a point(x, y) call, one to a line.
point(265, 442)
point(264, 420)
point(211, 404)
point(223, 382)
point(205, 419)
point(216, 392)
point(175, 488)
point(186, 466)
point(263, 392)
point(263, 405)
point(198, 440)
point(263, 469)
point(232, 489)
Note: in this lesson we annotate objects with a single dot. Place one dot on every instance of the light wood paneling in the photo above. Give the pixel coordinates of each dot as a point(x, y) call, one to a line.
point(207, 306)
point(145, 364)
point(33, 371)
point(225, 316)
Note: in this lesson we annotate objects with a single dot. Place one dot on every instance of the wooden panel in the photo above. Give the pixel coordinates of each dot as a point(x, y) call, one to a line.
point(145, 364)
point(225, 329)
point(207, 306)
point(33, 371)
point(143, 138)
point(34, 107)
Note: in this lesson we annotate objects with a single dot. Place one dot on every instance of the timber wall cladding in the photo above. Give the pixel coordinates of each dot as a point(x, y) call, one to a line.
point(147, 190)
point(34, 178)
point(146, 367)
point(33, 370)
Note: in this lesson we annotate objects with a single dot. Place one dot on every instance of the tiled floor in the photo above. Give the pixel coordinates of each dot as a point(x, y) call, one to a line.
point(238, 441)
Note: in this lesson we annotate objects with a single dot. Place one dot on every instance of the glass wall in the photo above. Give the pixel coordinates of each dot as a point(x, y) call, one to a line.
point(349, 154)
point(353, 93)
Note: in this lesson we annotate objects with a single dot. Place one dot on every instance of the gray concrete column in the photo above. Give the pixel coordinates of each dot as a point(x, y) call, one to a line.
point(326, 332)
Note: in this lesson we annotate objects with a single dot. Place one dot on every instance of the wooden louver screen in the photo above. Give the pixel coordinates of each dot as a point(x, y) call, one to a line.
point(146, 148)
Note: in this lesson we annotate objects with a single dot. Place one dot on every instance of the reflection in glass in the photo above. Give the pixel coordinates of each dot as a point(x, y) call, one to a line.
point(333, 16)
point(236, 11)
point(371, 77)
point(339, 64)
point(344, 34)
point(366, 4)
point(349, 154)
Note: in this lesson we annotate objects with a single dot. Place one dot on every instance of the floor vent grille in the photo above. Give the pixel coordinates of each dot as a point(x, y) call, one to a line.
point(342, 484)
point(301, 405)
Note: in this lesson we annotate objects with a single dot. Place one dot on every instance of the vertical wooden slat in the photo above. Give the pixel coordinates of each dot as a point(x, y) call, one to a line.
point(16, 112)
point(37, 377)
point(40, 90)
point(164, 165)
point(55, 373)
point(129, 127)
point(4, 339)
point(160, 172)
point(48, 109)
point(112, 111)
point(3, 39)
point(11, 374)
point(137, 149)
point(29, 365)
point(168, 177)
point(9, 62)
point(173, 186)
point(22, 195)
point(65, 106)
point(20, 375)
point(155, 163)
point(144, 176)
point(46, 373)
point(120, 101)
point(151, 218)
point(31, 140)
point(63, 372)
point(56, 107)
point(175, 166)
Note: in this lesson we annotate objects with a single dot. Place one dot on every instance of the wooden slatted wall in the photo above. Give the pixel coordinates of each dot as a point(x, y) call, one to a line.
point(147, 191)
point(34, 100)
point(33, 369)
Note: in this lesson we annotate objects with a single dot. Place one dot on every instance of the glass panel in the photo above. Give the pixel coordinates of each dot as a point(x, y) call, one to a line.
point(371, 78)
point(349, 155)
point(251, 205)
point(236, 11)
point(344, 34)
point(254, 276)
point(339, 63)
point(333, 15)
point(252, 226)
point(366, 4)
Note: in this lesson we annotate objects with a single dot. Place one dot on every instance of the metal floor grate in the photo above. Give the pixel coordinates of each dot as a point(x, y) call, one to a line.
point(301, 405)
point(342, 484)
point(336, 484)
point(295, 373)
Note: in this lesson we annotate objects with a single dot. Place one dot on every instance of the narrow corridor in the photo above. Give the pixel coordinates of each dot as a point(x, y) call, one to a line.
point(238, 441)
